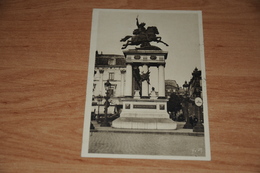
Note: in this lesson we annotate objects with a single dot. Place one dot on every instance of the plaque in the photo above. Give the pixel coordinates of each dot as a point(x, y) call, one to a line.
point(137, 57)
point(127, 106)
point(162, 107)
point(145, 106)
point(153, 57)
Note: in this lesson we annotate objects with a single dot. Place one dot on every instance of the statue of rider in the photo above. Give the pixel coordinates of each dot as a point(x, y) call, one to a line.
point(141, 31)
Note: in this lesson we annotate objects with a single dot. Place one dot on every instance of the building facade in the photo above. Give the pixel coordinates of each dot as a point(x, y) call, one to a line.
point(171, 86)
point(108, 67)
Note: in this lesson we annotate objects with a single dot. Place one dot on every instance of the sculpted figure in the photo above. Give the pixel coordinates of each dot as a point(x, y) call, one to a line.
point(137, 78)
point(145, 77)
point(143, 37)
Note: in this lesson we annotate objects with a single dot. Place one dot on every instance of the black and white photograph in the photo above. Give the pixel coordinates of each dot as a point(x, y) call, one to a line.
point(146, 89)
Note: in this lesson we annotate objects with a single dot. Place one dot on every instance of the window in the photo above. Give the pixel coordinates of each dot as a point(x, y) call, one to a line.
point(111, 76)
point(112, 90)
point(111, 61)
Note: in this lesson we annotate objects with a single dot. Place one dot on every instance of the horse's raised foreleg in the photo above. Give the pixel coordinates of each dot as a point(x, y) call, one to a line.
point(126, 37)
point(125, 45)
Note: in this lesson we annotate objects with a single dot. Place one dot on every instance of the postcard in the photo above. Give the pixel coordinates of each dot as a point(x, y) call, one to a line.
point(146, 89)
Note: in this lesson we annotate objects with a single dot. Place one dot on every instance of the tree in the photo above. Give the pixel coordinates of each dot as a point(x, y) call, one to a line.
point(174, 104)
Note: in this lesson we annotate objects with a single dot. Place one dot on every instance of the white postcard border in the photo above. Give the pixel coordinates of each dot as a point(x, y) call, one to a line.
point(91, 66)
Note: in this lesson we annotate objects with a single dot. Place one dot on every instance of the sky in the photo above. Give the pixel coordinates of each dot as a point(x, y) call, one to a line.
point(179, 29)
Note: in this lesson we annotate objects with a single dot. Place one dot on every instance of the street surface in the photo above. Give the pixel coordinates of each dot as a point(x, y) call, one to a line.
point(146, 144)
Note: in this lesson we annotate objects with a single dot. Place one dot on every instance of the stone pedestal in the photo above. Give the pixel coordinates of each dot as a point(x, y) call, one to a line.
point(144, 114)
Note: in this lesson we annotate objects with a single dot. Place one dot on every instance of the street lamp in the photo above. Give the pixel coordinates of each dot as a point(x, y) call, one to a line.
point(105, 123)
point(99, 99)
point(187, 125)
point(198, 101)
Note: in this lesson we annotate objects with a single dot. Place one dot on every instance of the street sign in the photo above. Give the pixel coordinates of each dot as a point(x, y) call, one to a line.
point(198, 101)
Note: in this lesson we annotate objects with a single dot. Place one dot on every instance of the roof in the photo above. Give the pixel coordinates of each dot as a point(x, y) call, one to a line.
point(109, 60)
point(171, 83)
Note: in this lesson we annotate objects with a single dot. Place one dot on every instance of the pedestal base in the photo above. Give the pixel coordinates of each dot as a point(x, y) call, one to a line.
point(144, 114)
point(144, 123)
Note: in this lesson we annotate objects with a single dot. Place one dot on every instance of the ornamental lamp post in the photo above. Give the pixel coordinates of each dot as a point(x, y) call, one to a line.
point(105, 123)
point(187, 125)
point(198, 101)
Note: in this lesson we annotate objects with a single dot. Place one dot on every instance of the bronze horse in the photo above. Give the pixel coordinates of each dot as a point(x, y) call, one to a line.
point(143, 39)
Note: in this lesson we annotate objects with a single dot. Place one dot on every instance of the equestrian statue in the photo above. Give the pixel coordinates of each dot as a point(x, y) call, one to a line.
point(142, 36)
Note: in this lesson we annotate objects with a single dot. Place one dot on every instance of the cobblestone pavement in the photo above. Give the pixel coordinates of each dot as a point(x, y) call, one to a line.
point(146, 144)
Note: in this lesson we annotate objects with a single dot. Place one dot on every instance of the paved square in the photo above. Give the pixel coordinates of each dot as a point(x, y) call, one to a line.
point(146, 144)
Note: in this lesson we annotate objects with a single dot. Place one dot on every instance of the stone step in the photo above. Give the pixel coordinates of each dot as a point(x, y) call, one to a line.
point(144, 123)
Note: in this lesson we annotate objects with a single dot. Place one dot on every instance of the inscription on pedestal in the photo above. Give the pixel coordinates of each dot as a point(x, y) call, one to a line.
point(145, 106)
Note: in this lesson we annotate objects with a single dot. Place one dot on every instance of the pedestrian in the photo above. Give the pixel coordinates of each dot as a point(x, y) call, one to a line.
point(191, 120)
point(92, 127)
point(195, 120)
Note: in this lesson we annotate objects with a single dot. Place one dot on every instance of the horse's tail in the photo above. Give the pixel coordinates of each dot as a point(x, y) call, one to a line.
point(164, 43)
point(126, 38)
